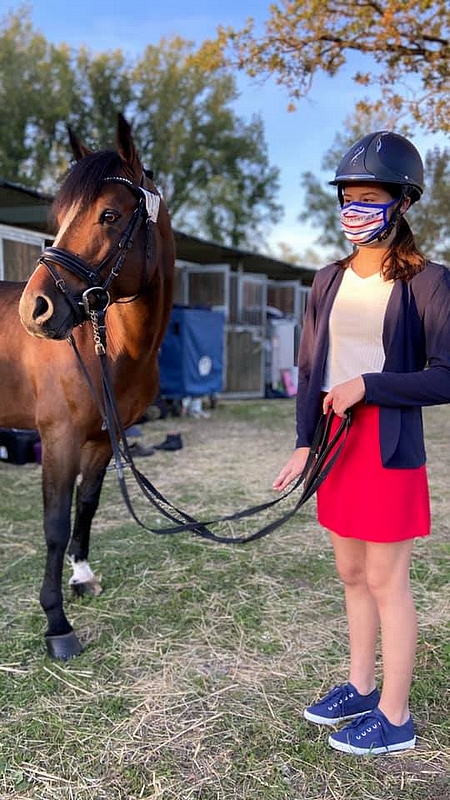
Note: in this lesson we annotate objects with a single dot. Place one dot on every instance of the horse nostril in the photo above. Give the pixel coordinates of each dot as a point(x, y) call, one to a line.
point(41, 307)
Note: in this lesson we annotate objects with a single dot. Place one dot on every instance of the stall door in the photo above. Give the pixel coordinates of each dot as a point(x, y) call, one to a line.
point(19, 251)
point(244, 361)
point(206, 287)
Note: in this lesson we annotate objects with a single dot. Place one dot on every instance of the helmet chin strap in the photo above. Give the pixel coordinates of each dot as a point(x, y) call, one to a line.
point(397, 213)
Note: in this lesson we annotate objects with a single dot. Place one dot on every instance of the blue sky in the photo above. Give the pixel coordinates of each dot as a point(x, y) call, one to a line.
point(296, 141)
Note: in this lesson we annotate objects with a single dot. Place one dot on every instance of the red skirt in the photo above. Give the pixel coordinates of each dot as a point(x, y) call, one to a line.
point(361, 499)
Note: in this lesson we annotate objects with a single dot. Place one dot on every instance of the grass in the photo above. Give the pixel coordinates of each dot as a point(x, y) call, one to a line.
point(199, 658)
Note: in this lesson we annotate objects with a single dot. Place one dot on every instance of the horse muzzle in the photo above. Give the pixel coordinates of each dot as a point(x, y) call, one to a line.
point(44, 316)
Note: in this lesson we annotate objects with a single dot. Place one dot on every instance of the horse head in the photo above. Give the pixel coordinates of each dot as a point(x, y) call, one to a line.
point(114, 240)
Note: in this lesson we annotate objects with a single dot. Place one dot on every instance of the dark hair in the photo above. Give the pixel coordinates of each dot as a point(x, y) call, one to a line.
point(403, 258)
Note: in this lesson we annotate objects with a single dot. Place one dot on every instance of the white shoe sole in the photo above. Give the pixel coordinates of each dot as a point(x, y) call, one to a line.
point(327, 721)
point(371, 751)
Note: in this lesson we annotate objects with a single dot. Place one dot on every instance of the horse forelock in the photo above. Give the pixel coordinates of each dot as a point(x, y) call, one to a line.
point(84, 181)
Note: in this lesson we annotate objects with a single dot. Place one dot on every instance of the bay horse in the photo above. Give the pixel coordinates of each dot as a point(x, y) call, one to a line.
point(114, 248)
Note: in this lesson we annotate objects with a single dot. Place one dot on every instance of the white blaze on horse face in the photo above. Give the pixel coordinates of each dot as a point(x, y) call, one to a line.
point(68, 219)
point(82, 572)
point(66, 223)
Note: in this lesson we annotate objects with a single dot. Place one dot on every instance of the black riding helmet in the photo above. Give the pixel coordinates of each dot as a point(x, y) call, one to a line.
point(382, 157)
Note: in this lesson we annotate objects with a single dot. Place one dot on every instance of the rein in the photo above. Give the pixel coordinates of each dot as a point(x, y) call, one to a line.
point(323, 454)
point(92, 305)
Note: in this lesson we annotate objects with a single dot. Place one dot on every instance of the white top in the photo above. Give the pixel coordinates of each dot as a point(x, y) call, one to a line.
point(356, 328)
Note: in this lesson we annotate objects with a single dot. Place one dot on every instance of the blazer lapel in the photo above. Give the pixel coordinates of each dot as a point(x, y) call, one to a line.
point(393, 326)
point(329, 293)
point(393, 342)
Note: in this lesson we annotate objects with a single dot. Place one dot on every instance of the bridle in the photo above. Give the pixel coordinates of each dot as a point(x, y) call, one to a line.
point(97, 296)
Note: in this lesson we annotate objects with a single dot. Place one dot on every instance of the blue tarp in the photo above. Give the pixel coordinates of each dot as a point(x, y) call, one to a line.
point(191, 355)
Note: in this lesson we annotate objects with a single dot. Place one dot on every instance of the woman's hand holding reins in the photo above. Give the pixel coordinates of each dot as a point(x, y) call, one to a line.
point(292, 470)
point(344, 396)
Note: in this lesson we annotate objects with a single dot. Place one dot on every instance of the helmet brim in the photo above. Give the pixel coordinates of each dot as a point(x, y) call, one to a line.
point(414, 192)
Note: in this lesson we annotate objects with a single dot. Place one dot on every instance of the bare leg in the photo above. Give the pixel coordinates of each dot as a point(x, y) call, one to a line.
point(387, 568)
point(362, 614)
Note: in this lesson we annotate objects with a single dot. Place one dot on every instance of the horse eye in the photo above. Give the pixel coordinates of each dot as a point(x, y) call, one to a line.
point(109, 216)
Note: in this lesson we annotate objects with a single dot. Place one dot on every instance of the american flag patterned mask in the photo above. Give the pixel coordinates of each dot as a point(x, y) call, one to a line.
point(362, 223)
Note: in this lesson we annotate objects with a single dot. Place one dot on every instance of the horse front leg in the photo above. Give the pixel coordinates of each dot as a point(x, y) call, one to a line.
point(94, 460)
point(58, 478)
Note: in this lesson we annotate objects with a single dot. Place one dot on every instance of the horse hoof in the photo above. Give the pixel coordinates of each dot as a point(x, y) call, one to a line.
point(90, 588)
point(63, 647)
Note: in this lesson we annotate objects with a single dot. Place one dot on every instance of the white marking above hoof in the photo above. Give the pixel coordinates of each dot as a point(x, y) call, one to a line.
point(83, 580)
point(82, 572)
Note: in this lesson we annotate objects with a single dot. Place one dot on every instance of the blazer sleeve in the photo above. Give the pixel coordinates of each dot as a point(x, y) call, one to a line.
point(305, 358)
point(430, 386)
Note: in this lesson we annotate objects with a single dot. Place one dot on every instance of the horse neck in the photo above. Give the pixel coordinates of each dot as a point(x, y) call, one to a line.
point(133, 329)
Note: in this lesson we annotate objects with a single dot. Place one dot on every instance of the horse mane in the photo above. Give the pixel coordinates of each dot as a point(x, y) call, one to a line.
point(83, 181)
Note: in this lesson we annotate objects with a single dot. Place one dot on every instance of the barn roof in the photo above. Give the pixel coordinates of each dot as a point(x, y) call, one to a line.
point(26, 208)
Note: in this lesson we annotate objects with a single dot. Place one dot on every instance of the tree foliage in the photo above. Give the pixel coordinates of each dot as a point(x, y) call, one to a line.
point(430, 218)
point(35, 91)
point(403, 41)
point(212, 165)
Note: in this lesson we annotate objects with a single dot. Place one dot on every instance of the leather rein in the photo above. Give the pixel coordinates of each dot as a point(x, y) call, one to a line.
point(91, 305)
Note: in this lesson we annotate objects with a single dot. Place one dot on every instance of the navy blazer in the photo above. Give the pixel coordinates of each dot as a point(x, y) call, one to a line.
point(416, 373)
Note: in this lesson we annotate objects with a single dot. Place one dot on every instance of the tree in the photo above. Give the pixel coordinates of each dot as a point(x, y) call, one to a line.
point(430, 218)
point(35, 91)
point(102, 87)
point(289, 255)
point(402, 40)
point(212, 166)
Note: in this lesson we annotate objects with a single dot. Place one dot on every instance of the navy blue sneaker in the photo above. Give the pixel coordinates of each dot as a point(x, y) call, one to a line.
point(343, 702)
point(373, 734)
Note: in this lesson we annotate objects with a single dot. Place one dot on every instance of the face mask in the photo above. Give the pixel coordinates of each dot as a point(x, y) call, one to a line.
point(364, 222)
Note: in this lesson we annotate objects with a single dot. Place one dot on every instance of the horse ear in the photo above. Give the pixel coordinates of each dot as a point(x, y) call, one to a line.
point(78, 148)
point(126, 147)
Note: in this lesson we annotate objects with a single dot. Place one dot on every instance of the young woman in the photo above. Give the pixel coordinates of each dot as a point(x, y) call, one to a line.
point(376, 338)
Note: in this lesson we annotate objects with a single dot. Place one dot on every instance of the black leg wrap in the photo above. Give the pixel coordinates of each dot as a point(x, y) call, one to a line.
point(63, 647)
